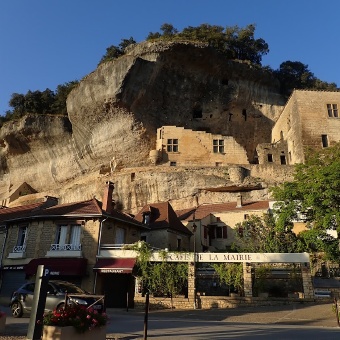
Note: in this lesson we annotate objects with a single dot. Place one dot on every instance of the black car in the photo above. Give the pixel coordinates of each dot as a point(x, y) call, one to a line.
point(22, 299)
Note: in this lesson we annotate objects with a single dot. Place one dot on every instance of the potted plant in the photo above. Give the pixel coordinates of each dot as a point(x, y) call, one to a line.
point(74, 322)
point(2, 321)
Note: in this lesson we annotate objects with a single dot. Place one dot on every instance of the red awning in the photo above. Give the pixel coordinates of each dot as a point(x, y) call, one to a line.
point(58, 266)
point(115, 266)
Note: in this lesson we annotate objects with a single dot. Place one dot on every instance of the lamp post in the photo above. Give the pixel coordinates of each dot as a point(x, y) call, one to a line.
point(194, 228)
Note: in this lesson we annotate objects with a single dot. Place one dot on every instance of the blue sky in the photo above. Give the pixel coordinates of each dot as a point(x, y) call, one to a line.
point(45, 43)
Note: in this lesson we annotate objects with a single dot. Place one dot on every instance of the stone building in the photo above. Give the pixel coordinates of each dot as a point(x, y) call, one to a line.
point(216, 223)
point(165, 228)
point(185, 147)
point(66, 238)
point(310, 119)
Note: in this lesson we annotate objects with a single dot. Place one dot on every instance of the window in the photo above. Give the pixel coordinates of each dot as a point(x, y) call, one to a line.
point(179, 244)
point(173, 163)
point(324, 139)
point(218, 146)
point(20, 247)
point(75, 235)
point(67, 237)
point(146, 218)
point(219, 232)
point(283, 159)
point(332, 110)
point(246, 216)
point(270, 158)
point(216, 231)
point(172, 145)
point(120, 236)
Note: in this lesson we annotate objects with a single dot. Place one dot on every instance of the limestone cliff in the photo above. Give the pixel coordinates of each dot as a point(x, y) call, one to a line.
point(114, 113)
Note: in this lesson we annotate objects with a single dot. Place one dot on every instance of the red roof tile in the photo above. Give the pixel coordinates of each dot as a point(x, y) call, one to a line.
point(206, 209)
point(89, 208)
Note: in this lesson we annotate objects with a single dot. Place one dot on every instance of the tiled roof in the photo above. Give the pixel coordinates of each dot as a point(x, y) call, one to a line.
point(162, 216)
point(19, 212)
point(84, 208)
point(89, 208)
point(206, 209)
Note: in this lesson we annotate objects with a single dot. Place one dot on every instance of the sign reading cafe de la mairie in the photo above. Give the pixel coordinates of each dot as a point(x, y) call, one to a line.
point(233, 257)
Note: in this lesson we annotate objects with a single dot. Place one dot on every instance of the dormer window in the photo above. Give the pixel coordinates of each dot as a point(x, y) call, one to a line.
point(146, 218)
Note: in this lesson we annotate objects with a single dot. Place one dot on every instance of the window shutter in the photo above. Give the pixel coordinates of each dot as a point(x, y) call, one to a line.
point(225, 234)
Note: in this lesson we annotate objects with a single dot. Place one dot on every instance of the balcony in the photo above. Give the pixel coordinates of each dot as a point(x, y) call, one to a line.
point(18, 252)
point(65, 250)
point(116, 250)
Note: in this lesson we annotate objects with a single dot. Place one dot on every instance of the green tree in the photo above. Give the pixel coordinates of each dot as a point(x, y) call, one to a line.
point(160, 278)
point(230, 274)
point(17, 102)
point(263, 235)
point(234, 42)
point(296, 75)
point(313, 197)
point(168, 30)
point(59, 104)
point(114, 52)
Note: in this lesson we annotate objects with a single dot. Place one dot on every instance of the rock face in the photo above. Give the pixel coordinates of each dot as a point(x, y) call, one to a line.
point(113, 116)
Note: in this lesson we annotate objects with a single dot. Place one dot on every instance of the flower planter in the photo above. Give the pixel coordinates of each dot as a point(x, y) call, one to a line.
point(70, 333)
point(2, 323)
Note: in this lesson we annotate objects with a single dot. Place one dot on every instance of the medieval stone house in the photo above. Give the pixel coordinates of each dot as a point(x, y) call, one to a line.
point(309, 119)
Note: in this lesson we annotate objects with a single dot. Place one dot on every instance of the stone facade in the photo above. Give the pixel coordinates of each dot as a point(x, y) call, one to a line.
point(185, 147)
point(309, 119)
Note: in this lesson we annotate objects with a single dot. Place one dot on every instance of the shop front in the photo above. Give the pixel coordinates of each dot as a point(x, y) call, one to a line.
point(114, 279)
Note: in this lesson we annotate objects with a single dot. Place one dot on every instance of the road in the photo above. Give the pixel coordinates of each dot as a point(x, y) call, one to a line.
point(279, 323)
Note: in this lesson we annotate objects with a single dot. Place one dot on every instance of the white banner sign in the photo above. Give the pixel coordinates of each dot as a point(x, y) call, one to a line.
point(232, 257)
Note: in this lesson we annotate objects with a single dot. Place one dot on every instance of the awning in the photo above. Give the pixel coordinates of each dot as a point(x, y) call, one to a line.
point(115, 266)
point(58, 266)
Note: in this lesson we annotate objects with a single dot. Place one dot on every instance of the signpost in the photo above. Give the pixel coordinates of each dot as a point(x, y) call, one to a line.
point(35, 325)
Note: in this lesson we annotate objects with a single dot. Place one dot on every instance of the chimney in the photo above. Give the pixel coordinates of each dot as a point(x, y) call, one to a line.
point(239, 201)
point(107, 197)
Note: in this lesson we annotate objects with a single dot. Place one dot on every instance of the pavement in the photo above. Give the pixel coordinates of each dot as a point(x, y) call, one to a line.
point(318, 314)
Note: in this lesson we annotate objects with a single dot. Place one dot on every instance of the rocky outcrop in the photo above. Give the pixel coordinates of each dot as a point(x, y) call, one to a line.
point(114, 112)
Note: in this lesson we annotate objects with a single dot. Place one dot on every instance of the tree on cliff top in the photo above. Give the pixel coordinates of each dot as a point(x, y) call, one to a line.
point(113, 52)
point(234, 42)
point(296, 75)
point(40, 102)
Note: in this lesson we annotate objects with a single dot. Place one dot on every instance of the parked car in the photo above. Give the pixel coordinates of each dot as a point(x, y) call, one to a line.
point(22, 299)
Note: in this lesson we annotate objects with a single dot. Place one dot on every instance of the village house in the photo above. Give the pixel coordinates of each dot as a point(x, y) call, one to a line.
point(166, 230)
point(66, 238)
point(215, 224)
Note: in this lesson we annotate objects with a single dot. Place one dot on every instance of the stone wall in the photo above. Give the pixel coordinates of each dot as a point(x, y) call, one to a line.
point(209, 302)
